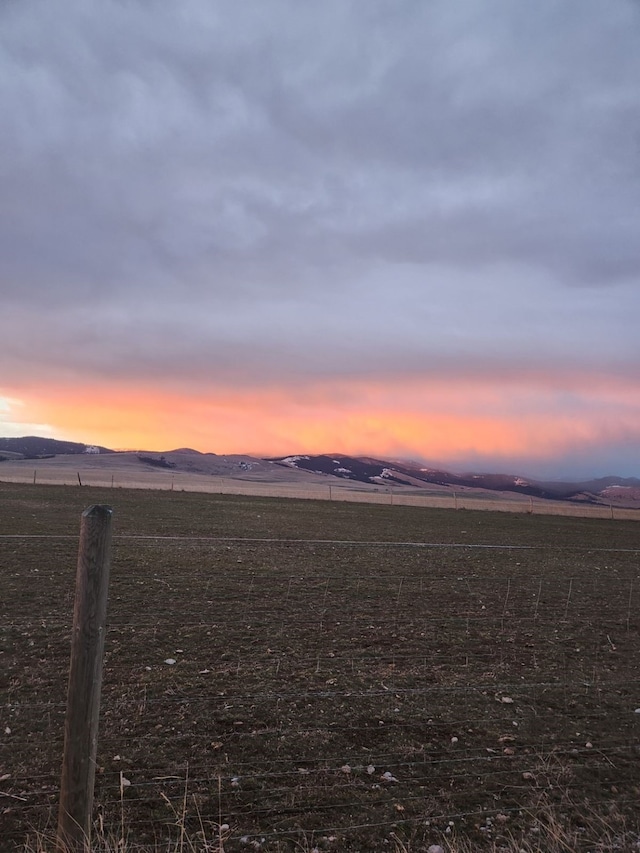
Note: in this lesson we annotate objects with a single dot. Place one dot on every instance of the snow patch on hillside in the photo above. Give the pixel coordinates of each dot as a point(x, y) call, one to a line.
point(291, 460)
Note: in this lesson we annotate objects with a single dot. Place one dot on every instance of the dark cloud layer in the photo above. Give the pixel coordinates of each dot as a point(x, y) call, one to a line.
point(284, 189)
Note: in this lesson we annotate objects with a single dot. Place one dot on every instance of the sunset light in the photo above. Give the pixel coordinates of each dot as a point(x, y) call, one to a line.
point(317, 230)
point(320, 375)
point(455, 423)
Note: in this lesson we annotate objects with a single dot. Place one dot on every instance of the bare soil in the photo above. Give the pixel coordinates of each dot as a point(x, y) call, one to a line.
point(344, 673)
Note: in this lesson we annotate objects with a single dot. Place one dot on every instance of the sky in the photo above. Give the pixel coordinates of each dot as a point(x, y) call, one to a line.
point(386, 227)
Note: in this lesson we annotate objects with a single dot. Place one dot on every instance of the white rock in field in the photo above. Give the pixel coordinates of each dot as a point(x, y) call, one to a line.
point(637, 711)
point(346, 768)
point(454, 740)
point(371, 769)
point(435, 848)
point(388, 777)
point(124, 781)
point(170, 661)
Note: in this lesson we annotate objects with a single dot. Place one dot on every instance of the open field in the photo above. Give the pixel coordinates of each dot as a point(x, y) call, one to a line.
point(124, 470)
point(347, 676)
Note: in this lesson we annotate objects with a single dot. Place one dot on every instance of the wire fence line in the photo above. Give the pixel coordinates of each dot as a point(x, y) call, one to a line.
point(347, 543)
point(446, 497)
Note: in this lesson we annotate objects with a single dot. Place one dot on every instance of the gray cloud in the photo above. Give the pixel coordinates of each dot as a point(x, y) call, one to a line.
point(342, 188)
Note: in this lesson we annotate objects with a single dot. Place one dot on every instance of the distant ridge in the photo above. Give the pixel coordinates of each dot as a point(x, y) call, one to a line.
point(376, 473)
point(34, 447)
point(402, 473)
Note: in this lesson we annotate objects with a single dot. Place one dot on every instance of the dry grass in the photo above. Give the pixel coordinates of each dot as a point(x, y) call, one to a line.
point(547, 827)
point(548, 832)
point(99, 472)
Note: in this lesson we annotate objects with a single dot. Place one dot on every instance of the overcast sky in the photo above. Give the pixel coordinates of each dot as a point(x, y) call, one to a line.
point(384, 227)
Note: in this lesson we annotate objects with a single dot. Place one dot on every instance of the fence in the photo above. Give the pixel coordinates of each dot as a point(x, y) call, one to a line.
point(338, 695)
point(344, 491)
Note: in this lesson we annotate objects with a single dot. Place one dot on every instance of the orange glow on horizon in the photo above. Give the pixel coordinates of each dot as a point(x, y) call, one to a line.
point(431, 420)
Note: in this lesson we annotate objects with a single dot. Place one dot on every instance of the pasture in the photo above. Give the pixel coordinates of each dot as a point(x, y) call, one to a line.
point(345, 676)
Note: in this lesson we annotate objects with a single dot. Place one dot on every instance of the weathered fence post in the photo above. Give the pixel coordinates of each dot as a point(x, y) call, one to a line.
point(85, 681)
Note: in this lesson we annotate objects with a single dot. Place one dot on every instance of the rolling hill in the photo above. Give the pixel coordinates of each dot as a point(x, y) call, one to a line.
point(367, 471)
point(403, 473)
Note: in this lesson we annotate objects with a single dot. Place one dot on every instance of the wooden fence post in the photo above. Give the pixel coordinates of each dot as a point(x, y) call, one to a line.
point(85, 681)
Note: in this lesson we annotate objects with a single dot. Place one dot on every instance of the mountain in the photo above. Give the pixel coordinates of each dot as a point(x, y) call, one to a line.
point(305, 468)
point(34, 447)
point(403, 473)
